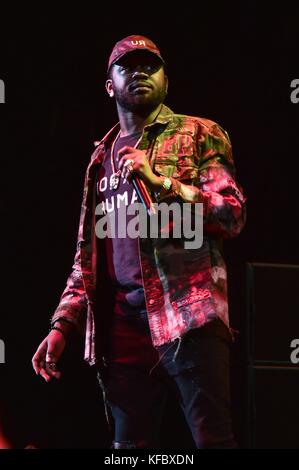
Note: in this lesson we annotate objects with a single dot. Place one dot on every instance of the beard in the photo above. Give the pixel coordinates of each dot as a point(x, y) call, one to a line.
point(141, 104)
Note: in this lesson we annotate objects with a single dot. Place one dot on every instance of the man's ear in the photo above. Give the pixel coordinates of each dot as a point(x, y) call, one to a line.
point(166, 83)
point(109, 88)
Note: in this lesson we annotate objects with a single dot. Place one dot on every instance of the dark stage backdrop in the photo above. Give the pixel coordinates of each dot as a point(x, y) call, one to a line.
point(232, 64)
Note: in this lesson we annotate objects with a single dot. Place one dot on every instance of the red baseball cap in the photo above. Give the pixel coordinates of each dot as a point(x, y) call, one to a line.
point(130, 44)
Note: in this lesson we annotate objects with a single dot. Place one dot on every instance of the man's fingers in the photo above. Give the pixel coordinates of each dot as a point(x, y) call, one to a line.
point(44, 375)
point(125, 150)
point(51, 357)
point(123, 153)
point(126, 165)
point(51, 364)
point(36, 364)
point(39, 357)
point(123, 162)
point(45, 359)
point(51, 370)
point(36, 367)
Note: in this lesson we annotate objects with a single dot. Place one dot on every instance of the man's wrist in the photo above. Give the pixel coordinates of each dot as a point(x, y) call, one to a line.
point(162, 183)
point(57, 328)
point(157, 184)
point(62, 324)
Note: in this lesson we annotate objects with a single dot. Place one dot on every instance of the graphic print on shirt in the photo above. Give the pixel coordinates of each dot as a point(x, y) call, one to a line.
point(115, 200)
point(122, 252)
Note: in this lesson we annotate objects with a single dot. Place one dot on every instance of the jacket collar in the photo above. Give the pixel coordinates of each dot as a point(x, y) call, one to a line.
point(163, 118)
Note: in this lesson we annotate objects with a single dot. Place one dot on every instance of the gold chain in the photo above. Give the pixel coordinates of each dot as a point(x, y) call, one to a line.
point(112, 153)
point(115, 177)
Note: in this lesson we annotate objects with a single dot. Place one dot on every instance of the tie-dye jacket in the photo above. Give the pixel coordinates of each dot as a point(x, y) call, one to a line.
point(184, 288)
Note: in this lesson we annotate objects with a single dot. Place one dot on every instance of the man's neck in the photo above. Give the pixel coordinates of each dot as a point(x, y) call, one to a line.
point(131, 123)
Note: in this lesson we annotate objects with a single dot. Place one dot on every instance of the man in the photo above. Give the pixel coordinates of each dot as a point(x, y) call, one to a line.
point(164, 323)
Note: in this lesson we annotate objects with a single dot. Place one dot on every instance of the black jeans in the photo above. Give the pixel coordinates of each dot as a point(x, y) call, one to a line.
point(195, 369)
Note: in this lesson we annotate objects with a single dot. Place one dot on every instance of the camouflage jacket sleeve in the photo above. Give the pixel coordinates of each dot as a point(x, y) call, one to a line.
point(223, 202)
point(73, 301)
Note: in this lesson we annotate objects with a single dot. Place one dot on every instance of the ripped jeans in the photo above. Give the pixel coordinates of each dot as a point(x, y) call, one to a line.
point(195, 368)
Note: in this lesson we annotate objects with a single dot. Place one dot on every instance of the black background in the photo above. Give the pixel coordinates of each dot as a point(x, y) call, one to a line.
point(229, 63)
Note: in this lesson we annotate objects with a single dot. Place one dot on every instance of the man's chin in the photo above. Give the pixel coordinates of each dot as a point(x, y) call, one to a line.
point(141, 105)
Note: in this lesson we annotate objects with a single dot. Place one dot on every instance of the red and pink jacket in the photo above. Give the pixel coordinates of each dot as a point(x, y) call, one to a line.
point(184, 288)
